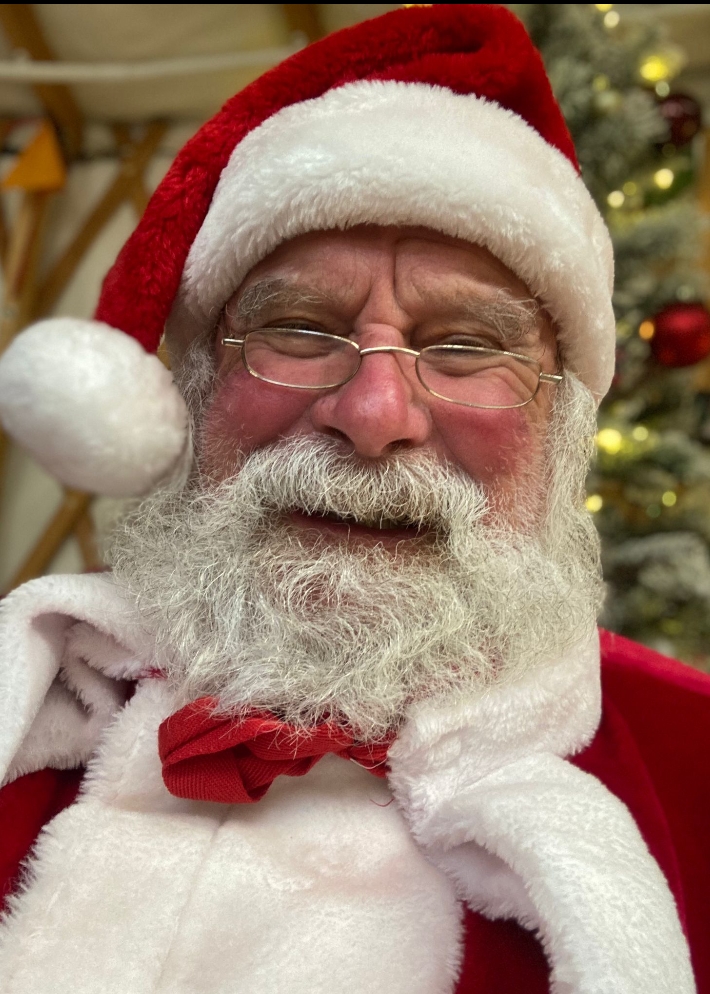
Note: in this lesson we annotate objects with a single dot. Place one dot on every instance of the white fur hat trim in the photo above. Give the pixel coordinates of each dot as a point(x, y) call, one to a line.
point(92, 406)
point(391, 153)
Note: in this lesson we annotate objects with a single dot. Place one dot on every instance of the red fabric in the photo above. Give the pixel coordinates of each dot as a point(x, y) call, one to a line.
point(469, 48)
point(500, 957)
point(26, 805)
point(207, 757)
point(652, 750)
point(666, 711)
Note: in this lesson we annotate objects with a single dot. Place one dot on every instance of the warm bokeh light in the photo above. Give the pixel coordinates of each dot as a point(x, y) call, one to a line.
point(654, 68)
point(594, 503)
point(640, 433)
point(610, 440)
point(603, 6)
point(663, 178)
point(611, 19)
point(647, 330)
point(615, 198)
point(669, 498)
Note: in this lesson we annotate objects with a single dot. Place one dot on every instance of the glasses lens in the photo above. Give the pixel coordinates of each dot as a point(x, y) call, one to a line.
point(478, 377)
point(309, 360)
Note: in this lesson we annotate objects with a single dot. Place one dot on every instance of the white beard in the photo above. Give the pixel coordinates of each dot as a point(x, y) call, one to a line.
point(246, 607)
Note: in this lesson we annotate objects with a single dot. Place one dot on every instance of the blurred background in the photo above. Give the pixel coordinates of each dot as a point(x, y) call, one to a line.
point(96, 99)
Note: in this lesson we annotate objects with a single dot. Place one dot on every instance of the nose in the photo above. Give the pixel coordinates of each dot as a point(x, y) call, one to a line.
point(381, 410)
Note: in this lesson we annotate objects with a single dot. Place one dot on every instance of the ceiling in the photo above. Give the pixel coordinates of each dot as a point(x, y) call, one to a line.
point(96, 34)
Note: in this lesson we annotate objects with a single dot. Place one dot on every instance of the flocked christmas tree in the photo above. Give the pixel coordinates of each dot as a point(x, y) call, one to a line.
point(650, 489)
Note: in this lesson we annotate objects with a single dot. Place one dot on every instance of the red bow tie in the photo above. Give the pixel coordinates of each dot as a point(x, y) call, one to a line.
point(207, 757)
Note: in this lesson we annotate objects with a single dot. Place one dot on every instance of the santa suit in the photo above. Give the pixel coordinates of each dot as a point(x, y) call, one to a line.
point(550, 831)
point(338, 880)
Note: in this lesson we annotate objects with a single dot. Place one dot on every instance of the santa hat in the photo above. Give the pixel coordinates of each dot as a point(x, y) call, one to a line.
point(440, 116)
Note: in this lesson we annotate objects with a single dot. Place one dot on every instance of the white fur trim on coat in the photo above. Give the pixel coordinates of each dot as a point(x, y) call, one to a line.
point(92, 406)
point(317, 889)
point(527, 835)
point(483, 785)
point(393, 153)
point(67, 644)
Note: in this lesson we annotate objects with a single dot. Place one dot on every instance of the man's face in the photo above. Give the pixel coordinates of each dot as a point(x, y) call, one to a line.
point(384, 286)
point(258, 586)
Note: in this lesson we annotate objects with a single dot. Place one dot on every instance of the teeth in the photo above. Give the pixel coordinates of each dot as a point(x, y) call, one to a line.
point(382, 523)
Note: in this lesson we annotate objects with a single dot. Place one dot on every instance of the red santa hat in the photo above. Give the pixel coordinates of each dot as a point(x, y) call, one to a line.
point(440, 116)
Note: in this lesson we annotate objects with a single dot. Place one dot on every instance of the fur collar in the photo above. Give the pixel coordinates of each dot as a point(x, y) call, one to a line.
point(483, 784)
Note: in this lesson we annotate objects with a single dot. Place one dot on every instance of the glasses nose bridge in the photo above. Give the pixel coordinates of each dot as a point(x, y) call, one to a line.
point(375, 349)
point(388, 348)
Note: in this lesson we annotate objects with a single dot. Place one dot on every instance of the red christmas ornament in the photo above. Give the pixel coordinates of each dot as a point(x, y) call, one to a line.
point(681, 334)
point(683, 116)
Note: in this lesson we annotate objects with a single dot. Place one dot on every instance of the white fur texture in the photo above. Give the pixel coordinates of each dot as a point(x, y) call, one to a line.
point(94, 409)
point(524, 834)
point(412, 154)
point(66, 642)
point(318, 888)
point(319, 882)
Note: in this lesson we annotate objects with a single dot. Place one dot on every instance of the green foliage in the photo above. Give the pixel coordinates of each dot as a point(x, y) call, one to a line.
point(651, 482)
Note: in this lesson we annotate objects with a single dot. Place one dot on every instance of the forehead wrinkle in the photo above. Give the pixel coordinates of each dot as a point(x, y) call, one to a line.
point(513, 319)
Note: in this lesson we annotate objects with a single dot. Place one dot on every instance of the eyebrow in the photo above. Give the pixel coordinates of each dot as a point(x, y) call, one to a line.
point(512, 319)
point(267, 294)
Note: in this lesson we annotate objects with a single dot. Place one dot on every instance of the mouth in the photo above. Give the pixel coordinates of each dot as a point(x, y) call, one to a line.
point(381, 529)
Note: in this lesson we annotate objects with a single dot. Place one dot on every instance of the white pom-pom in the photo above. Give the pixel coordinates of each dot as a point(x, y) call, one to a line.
point(92, 406)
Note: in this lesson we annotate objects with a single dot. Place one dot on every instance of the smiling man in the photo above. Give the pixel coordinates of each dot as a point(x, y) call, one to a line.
point(340, 703)
point(378, 404)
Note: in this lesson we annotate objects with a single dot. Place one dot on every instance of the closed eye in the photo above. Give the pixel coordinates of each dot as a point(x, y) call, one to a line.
point(477, 340)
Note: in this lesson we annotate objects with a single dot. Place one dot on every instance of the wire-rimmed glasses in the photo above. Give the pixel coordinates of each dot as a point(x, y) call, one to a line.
point(461, 374)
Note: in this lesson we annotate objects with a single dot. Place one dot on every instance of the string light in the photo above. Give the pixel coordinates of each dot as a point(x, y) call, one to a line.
point(662, 65)
point(663, 178)
point(640, 433)
point(611, 19)
point(647, 330)
point(669, 498)
point(610, 440)
point(594, 503)
point(616, 198)
point(655, 68)
point(603, 6)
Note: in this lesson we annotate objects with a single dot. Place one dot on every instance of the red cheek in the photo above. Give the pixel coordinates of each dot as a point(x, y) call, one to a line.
point(247, 413)
point(489, 445)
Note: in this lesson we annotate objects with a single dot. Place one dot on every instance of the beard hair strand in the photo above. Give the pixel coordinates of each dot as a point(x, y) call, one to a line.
point(244, 607)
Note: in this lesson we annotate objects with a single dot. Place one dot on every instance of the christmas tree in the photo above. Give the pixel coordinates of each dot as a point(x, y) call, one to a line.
point(650, 488)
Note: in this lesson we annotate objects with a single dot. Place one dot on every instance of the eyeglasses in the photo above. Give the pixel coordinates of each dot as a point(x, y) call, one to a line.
point(461, 374)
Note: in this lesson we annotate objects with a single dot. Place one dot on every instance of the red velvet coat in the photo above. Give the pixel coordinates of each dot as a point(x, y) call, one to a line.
point(652, 750)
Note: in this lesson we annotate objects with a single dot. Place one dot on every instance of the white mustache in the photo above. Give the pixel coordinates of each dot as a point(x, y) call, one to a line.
point(315, 476)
